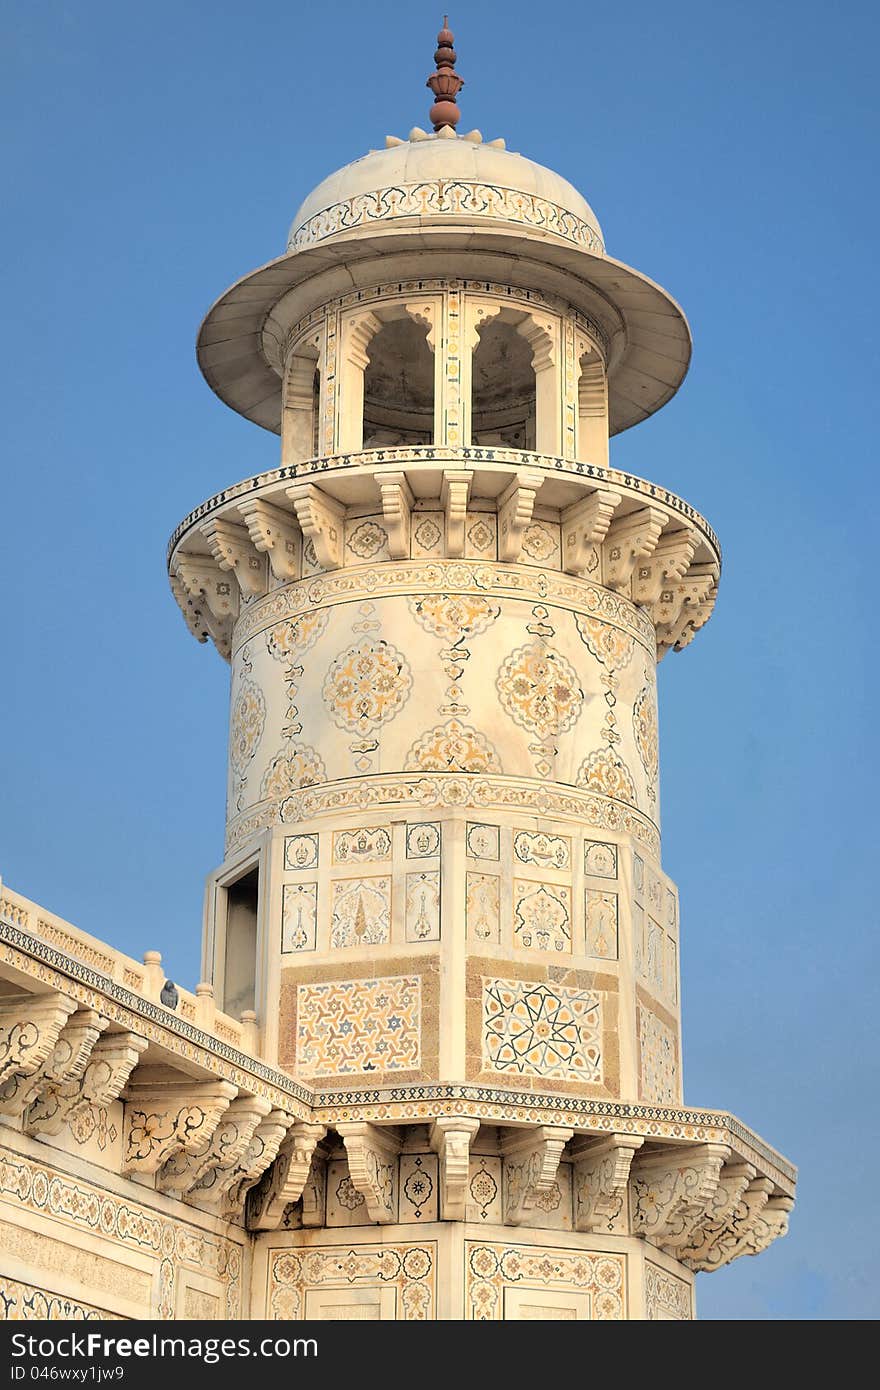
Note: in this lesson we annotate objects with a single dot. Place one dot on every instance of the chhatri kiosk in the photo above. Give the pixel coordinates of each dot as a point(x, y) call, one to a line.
point(433, 1069)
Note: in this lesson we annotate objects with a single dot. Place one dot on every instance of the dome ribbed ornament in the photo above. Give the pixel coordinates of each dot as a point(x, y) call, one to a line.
point(445, 82)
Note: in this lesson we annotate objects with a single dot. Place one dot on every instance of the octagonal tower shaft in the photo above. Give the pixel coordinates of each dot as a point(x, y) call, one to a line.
point(442, 893)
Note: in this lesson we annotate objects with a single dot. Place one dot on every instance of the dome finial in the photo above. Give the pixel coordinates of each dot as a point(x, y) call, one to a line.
point(445, 83)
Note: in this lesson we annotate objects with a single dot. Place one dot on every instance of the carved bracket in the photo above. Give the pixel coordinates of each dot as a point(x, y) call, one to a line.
point(451, 1139)
point(630, 539)
point(322, 521)
point(454, 495)
point(372, 1163)
point(718, 1241)
point(232, 549)
point(227, 1187)
point(285, 1183)
point(203, 578)
point(670, 561)
point(162, 1119)
point(584, 527)
point(671, 1192)
point(515, 507)
point(30, 1025)
point(678, 599)
point(112, 1060)
point(599, 1177)
point(223, 1149)
point(273, 533)
point(66, 1062)
point(193, 614)
point(530, 1164)
point(397, 505)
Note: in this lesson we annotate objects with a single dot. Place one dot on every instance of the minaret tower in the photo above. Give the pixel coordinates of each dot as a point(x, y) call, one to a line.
point(442, 894)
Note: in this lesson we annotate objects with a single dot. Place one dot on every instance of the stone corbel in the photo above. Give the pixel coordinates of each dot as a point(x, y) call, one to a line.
point(451, 1139)
point(397, 505)
point(162, 1119)
point(203, 578)
point(584, 527)
point(599, 1178)
point(182, 1172)
point(285, 1182)
point(671, 1192)
point(771, 1225)
point(192, 612)
point(454, 495)
point(30, 1025)
point(630, 539)
point(273, 533)
point(232, 549)
point(670, 562)
point(712, 1241)
point(225, 1187)
point(678, 598)
point(111, 1061)
point(372, 1164)
point(66, 1062)
point(322, 521)
point(515, 507)
point(530, 1164)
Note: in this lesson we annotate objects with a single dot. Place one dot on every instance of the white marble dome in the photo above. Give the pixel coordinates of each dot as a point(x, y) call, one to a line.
point(436, 178)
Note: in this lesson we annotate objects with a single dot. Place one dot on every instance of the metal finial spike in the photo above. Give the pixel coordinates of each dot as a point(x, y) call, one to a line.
point(445, 82)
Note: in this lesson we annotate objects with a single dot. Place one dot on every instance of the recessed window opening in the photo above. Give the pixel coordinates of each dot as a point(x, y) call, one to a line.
point(240, 963)
point(503, 397)
point(399, 386)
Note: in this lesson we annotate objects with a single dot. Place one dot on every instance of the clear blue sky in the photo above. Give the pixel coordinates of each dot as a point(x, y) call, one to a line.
point(155, 153)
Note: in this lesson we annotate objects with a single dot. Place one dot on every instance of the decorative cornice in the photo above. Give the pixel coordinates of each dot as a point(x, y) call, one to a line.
point(418, 1103)
point(640, 489)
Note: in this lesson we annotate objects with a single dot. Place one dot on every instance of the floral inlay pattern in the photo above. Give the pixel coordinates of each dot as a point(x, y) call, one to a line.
point(453, 616)
point(367, 685)
point(452, 747)
point(539, 689)
point(247, 723)
point(295, 766)
point(613, 647)
point(605, 771)
point(291, 640)
point(647, 736)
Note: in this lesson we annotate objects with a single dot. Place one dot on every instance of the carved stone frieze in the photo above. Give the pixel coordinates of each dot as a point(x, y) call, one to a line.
point(162, 1119)
point(451, 1137)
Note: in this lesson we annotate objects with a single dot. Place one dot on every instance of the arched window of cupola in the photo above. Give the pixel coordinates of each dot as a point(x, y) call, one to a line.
point(592, 428)
point(301, 414)
point(388, 394)
point(515, 388)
